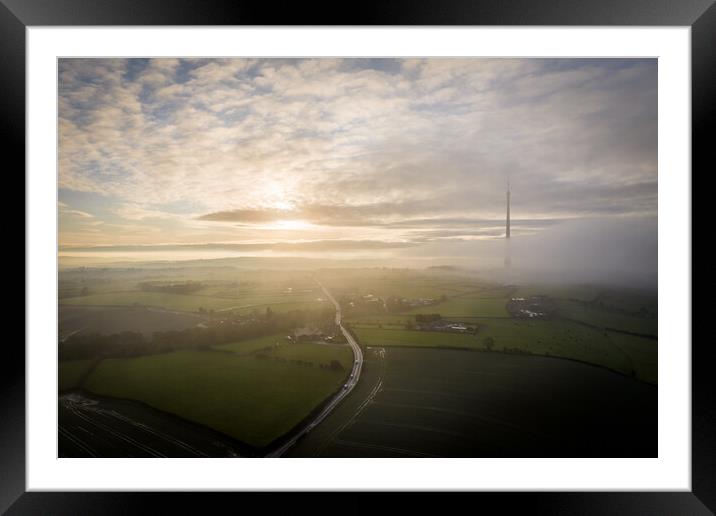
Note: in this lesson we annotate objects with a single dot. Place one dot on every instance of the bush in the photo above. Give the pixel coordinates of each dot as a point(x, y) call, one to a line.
point(489, 343)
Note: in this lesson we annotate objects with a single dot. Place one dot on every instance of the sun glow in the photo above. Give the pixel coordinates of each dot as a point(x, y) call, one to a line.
point(277, 195)
point(291, 224)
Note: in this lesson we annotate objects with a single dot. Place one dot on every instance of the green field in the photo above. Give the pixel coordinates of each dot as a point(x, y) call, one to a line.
point(316, 353)
point(607, 319)
point(71, 372)
point(644, 353)
point(467, 306)
point(285, 306)
point(252, 400)
point(634, 301)
point(87, 319)
point(579, 292)
point(429, 339)
point(182, 302)
point(277, 346)
point(555, 338)
point(192, 303)
point(252, 345)
point(540, 337)
point(399, 282)
point(385, 319)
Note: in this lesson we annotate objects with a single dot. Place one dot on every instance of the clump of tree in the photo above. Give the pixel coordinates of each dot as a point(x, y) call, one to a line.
point(489, 343)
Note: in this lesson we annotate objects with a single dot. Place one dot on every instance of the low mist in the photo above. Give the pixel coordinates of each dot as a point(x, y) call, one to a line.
point(621, 252)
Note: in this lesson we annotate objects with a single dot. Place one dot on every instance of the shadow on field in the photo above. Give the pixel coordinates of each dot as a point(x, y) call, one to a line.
point(450, 403)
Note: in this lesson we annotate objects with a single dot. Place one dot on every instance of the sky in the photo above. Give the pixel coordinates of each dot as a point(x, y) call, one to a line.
point(354, 157)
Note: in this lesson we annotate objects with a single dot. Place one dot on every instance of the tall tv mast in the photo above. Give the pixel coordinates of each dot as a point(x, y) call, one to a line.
point(507, 227)
point(508, 259)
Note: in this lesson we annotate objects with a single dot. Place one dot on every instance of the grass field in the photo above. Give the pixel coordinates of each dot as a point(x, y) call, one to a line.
point(86, 319)
point(607, 319)
point(252, 345)
point(467, 306)
point(579, 292)
point(399, 282)
point(555, 338)
point(540, 337)
point(634, 301)
point(316, 353)
point(70, 373)
point(277, 346)
point(192, 303)
point(182, 302)
point(277, 307)
point(643, 352)
point(386, 319)
point(252, 400)
point(430, 339)
point(462, 306)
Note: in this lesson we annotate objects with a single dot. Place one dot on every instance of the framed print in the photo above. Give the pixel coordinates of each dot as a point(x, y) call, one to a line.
point(453, 255)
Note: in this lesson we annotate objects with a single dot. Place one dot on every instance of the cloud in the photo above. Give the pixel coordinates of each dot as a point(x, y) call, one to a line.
point(250, 216)
point(313, 245)
point(381, 215)
point(67, 211)
point(397, 149)
point(78, 213)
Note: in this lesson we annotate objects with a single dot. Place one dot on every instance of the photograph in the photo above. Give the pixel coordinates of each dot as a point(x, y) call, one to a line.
point(408, 257)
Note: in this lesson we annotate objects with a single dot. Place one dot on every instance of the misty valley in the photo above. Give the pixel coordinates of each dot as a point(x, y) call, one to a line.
point(197, 359)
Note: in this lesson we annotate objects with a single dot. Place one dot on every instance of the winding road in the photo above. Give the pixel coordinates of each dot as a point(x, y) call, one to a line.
point(345, 390)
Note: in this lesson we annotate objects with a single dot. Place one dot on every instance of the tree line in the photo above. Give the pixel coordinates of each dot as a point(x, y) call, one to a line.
point(186, 287)
point(128, 343)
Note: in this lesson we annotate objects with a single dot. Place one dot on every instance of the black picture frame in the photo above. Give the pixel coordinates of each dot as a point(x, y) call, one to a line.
point(16, 15)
